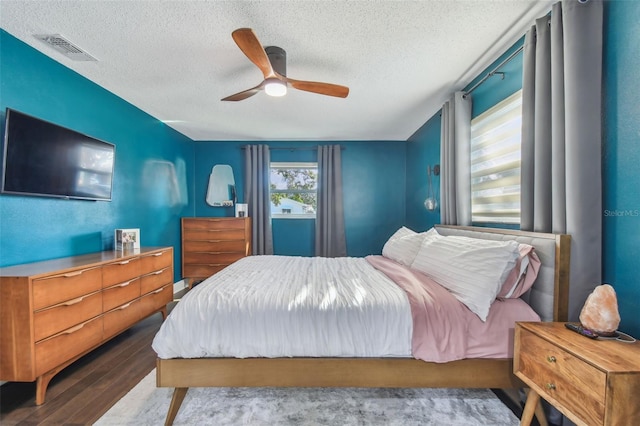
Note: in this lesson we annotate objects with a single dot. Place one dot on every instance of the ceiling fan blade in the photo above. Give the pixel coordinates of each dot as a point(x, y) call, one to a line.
point(244, 94)
point(320, 88)
point(248, 42)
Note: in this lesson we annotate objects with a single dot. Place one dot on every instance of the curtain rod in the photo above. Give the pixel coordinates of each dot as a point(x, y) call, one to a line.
point(294, 148)
point(495, 70)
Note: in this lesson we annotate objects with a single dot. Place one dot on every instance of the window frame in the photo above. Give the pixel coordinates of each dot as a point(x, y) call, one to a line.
point(293, 165)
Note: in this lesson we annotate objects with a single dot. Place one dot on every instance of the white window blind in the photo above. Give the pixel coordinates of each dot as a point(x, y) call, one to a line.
point(495, 162)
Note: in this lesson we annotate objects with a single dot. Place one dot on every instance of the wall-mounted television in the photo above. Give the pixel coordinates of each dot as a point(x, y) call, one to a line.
point(43, 159)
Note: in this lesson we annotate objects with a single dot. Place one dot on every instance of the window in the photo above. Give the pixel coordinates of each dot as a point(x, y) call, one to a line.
point(293, 190)
point(495, 162)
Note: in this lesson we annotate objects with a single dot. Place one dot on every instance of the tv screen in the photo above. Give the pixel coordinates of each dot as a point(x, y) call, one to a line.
point(44, 159)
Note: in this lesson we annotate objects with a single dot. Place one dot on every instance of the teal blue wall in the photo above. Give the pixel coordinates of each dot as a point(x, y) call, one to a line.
point(621, 156)
point(374, 187)
point(423, 150)
point(147, 194)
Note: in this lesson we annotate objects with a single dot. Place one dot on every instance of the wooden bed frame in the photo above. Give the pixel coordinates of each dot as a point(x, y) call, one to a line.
point(182, 374)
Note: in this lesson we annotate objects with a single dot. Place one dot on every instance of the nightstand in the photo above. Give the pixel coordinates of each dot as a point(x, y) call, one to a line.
point(592, 382)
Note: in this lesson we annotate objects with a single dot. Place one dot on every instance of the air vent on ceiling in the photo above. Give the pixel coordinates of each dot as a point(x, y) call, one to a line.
point(65, 47)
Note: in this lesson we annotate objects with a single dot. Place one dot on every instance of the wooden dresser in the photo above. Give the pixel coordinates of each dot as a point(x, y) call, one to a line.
point(592, 382)
point(210, 244)
point(55, 311)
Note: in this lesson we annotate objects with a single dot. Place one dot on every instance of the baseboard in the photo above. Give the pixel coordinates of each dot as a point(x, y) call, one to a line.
point(179, 286)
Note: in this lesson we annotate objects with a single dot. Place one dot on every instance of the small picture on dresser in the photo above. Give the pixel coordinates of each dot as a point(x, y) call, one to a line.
point(127, 239)
point(241, 209)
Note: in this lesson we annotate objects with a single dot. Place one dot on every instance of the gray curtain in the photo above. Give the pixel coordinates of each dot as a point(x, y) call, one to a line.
point(561, 137)
point(455, 177)
point(256, 194)
point(330, 236)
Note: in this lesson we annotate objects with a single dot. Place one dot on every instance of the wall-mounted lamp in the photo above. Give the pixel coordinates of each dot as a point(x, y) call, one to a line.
point(431, 202)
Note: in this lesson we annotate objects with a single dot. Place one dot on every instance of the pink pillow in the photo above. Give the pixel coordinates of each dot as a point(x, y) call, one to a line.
point(523, 275)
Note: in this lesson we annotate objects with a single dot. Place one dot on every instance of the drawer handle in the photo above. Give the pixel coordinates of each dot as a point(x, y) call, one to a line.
point(158, 291)
point(551, 386)
point(74, 329)
point(124, 306)
point(73, 301)
point(551, 358)
point(73, 274)
point(157, 254)
point(158, 272)
point(125, 283)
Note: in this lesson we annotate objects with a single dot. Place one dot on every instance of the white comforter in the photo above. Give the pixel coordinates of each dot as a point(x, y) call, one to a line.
point(281, 306)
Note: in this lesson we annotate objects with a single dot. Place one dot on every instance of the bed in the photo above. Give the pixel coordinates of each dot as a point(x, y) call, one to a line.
point(198, 367)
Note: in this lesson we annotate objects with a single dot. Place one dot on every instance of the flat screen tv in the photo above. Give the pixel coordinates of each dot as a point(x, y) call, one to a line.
point(43, 159)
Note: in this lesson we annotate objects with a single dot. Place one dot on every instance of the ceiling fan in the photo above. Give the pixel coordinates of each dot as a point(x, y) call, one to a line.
point(272, 61)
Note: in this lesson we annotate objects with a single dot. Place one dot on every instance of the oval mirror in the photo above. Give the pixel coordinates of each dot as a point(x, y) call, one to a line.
point(221, 191)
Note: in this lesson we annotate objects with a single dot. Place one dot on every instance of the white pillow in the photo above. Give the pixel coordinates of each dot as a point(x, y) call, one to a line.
point(403, 245)
point(473, 270)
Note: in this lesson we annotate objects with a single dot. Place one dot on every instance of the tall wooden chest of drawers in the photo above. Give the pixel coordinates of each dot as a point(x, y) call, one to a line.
point(210, 244)
point(593, 382)
point(53, 312)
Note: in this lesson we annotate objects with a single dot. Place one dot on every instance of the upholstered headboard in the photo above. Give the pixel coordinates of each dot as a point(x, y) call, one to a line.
point(549, 296)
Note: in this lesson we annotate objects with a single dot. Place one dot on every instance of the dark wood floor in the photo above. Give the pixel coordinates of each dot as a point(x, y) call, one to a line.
point(84, 391)
point(81, 393)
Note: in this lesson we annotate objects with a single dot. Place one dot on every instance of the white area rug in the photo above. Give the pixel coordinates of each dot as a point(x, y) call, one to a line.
point(147, 405)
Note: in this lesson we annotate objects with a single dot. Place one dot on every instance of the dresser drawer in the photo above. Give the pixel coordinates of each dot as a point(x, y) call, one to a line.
point(121, 318)
point(155, 261)
point(212, 224)
point(214, 235)
point(563, 377)
point(62, 316)
point(70, 285)
point(56, 350)
point(230, 246)
point(201, 271)
point(211, 258)
point(155, 280)
point(120, 294)
point(119, 272)
point(156, 300)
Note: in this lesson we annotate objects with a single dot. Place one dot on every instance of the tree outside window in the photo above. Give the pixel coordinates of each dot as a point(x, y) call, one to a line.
point(293, 190)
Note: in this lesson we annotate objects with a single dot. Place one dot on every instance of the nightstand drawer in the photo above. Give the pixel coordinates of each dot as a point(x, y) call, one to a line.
point(563, 377)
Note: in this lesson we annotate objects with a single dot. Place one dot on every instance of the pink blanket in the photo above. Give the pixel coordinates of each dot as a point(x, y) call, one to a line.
point(445, 329)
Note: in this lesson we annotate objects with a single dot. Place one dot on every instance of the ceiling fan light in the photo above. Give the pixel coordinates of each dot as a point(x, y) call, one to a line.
point(275, 87)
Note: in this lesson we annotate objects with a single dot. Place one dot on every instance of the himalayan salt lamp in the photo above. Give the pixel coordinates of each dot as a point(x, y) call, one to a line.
point(600, 311)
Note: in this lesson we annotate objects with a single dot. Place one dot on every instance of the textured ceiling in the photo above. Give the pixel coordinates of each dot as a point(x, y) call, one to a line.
point(176, 59)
